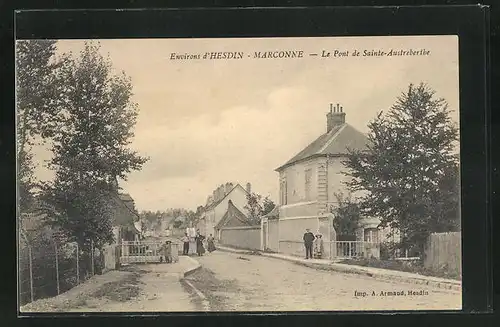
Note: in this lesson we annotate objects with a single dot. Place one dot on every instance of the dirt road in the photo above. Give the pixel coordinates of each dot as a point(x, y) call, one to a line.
point(235, 282)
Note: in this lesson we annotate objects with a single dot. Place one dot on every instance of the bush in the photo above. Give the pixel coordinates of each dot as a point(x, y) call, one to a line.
point(388, 250)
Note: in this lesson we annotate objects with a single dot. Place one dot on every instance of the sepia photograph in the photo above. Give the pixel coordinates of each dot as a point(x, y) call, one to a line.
point(238, 174)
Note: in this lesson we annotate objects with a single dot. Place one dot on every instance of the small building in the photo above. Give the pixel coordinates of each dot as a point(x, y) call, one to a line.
point(309, 180)
point(232, 218)
point(124, 217)
point(235, 229)
point(217, 206)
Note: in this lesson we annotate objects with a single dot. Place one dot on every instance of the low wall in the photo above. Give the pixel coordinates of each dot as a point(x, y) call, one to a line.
point(241, 237)
point(291, 232)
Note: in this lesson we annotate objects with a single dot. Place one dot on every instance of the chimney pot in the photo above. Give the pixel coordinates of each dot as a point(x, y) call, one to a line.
point(336, 118)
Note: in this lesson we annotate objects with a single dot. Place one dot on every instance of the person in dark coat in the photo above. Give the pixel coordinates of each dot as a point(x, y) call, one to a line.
point(199, 244)
point(308, 243)
point(211, 243)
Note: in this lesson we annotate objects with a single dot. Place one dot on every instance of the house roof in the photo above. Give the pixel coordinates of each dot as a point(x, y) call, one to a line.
point(216, 203)
point(125, 197)
point(336, 142)
point(124, 212)
point(233, 214)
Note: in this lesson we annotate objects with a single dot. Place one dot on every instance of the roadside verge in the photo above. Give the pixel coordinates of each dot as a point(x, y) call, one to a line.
point(377, 273)
point(191, 266)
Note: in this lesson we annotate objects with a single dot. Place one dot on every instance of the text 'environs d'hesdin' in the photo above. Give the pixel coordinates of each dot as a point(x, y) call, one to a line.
point(299, 54)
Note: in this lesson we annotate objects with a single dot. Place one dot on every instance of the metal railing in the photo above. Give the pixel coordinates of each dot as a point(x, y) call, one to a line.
point(353, 249)
point(333, 250)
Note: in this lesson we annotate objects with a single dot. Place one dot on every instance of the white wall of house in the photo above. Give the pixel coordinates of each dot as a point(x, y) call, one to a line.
point(336, 178)
point(293, 180)
point(239, 198)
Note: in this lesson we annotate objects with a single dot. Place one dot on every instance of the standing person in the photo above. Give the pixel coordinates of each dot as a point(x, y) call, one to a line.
point(211, 243)
point(167, 251)
point(199, 244)
point(318, 246)
point(308, 242)
point(185, 242)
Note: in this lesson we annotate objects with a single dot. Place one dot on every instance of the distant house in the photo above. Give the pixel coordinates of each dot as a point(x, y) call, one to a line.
point(124, 217)
point(166, 225)
point(217, 205)
point(309, 180)
point(232, 218)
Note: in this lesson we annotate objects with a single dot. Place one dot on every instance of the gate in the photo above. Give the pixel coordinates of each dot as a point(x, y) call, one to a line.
point(146, 252)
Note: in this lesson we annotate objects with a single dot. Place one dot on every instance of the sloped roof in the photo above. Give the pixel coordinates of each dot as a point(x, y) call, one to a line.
point(233, 215)
point(335, 142)
point(125, 197)
point(215, 203)
point(124, 211)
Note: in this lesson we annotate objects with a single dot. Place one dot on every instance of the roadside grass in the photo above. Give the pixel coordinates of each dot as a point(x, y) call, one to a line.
point(121, 290)
point(205, 280)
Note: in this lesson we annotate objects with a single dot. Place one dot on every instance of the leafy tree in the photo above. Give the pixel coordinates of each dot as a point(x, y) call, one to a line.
point(177, 224)
point(91, 145)
point(258, 207)
point(38, 89)
point(347, 214)
point(267, 206)
point(83, 211)
point(409, 171)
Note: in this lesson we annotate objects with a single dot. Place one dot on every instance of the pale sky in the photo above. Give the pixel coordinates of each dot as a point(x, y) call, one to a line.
point(207, 122)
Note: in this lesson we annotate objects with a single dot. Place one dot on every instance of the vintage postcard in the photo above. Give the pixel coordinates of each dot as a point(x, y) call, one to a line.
point(238, 174)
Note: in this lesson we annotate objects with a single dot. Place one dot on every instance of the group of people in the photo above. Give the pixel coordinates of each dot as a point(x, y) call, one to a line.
point(313, 242)
point(200, 243)
point(166, 252)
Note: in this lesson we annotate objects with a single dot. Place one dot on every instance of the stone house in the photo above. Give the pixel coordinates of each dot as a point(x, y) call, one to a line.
point(217, 206)
point(309, 180)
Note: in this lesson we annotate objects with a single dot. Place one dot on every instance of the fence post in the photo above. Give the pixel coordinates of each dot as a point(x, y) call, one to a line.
point(57, 267)
point(31, 274)
point(77, 266)
point(92, 255)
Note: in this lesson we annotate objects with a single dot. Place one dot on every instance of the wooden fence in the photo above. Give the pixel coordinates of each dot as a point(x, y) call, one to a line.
point(444, 252)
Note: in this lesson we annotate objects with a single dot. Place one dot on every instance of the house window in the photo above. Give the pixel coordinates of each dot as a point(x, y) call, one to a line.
point(308, 180)
point(371, 235)
point(283, 198)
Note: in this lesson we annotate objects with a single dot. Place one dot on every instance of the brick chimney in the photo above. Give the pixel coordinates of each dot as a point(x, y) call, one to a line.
point(249, 188)
point(227, 188)
point(335, 117)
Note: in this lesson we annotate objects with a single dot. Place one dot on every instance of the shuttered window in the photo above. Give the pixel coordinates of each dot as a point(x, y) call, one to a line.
point(308, 181)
